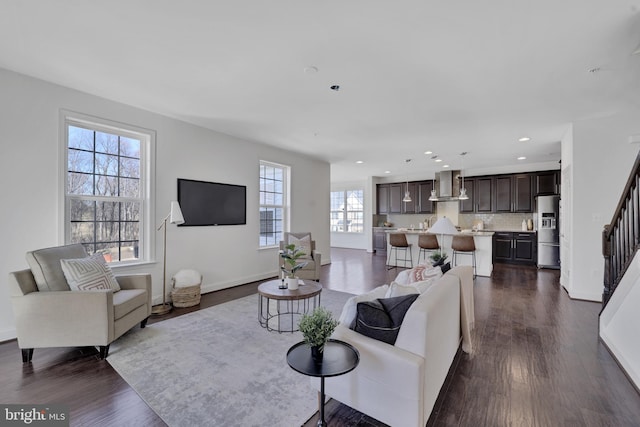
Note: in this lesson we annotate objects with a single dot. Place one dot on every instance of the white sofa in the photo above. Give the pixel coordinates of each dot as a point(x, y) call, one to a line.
point(399, 384)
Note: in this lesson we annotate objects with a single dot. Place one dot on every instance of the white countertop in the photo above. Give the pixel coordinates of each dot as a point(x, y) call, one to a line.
point(418, 231)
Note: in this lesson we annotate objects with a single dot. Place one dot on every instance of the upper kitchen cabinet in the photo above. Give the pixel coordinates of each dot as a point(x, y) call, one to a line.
point(469, 205)
point(513, 193)
point(382, 198)
point(412, 206)
point(547, 183)
point(423, 193)
point(504, 194)
point(389, 198)
point(523, 193)
point(480, 192)
point(483, 194)
point(396, 193)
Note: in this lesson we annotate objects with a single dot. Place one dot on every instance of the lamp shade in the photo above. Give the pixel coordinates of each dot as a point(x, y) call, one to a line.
point(443, 226)
point(175, 216)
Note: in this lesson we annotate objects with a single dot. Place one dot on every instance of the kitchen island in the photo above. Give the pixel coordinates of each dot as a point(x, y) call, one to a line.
point(482, 239)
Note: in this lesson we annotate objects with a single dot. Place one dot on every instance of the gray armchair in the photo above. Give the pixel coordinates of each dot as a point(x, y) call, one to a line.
point(311, 271)
point(49, 314)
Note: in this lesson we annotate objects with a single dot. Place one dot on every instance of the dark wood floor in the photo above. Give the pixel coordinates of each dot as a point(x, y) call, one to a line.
point(537, 361)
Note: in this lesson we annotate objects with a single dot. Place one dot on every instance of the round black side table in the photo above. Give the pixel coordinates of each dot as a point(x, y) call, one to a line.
point(339, 358)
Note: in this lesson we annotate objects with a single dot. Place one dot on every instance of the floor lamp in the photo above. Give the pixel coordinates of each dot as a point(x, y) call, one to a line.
point(174, 217)
point(443, 226)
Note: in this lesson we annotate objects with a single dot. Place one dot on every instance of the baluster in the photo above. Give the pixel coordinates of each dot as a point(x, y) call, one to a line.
point(636, 208)
point(606, 253)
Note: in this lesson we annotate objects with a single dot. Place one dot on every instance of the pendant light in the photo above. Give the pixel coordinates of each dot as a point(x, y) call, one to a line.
point(407, 196)
point(463, 190)
point(434, 195)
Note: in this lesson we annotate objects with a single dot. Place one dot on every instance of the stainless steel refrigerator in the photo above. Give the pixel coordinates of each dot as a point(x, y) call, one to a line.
point(548, 226)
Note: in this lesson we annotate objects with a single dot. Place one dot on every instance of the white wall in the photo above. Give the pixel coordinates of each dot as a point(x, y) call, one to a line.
point(601, 163)
point(227, 256)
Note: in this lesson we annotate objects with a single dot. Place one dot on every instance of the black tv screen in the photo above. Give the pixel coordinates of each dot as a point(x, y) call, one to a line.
point(212, 203)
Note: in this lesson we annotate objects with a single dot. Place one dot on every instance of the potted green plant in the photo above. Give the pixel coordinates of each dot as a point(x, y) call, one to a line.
point(316, 329)
point(291, 254)
point(438, 258)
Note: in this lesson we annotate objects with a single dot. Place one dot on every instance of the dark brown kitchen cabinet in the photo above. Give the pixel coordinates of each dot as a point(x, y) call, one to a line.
point(502, 247)
point(382, 198)
point(547, 183)
point(469, 205)
point(423, 193)
point(523, 193)
point(412, 206)
point(513, 193)
point(504, 193)
point(380, 242)
point(484, 194)
point(396, 193)
point(514, 248)
point(524, 248)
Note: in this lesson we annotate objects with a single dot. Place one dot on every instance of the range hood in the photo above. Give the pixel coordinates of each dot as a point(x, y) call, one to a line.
point(448, 186)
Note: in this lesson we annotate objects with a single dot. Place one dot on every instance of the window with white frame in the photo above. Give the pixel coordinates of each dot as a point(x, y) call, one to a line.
point(274, 180)
point(347, 211)
point(106, 188)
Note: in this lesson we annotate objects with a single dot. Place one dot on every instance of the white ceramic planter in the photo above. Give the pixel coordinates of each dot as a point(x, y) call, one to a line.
point(292, 283)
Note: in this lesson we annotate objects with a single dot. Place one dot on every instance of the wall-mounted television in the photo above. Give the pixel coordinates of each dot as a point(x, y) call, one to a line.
point(212, 203)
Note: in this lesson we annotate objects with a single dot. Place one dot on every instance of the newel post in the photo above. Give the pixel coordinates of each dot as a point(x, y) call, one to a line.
point(606, 253)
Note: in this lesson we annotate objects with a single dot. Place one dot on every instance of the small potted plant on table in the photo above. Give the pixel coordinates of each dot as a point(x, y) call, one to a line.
point(291, 254)
point(316, 329)
point(438, 258)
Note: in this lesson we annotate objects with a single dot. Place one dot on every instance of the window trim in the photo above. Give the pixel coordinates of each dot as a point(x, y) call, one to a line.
point(147, 176)
point(286, 199)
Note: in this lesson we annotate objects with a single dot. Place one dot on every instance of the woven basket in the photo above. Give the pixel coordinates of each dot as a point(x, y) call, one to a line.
point(186, 288)
point(187, 296)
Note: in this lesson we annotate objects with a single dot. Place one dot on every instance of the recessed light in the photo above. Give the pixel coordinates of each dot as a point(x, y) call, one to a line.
point(428, 152)
point(524, 139)
point(438, 160)
point(359, 162)
point(335, 87)
point(445, 166)
point(387, 171)
point(522, 158)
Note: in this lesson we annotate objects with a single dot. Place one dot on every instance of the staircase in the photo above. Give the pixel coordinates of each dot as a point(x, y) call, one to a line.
point(620, 316)
point(621, 237)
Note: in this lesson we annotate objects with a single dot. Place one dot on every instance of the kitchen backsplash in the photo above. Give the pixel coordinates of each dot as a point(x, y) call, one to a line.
point(491, 221)
point(495, 221)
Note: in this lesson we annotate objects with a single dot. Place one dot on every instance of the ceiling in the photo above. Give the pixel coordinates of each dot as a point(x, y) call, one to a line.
point(444, 76)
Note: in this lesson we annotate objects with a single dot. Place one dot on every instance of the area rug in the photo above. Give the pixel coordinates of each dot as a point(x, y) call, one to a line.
point(218, 367)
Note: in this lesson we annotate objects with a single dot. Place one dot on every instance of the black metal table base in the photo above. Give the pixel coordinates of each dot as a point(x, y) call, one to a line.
point(286, 314)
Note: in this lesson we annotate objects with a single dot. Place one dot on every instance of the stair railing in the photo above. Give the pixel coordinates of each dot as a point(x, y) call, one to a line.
point(621, 237)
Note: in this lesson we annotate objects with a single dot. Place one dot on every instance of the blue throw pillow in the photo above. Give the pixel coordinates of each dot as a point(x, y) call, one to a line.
point(381, 319)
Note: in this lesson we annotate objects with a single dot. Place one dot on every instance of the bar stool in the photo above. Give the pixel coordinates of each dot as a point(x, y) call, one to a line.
point(428, 243)
point(464, 244)
point(398, 241)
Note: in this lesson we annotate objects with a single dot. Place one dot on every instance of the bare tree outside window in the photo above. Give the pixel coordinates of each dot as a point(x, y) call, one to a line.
point(104, 197)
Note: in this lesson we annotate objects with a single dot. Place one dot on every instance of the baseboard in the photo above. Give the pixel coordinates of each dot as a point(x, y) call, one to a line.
point(8, 335)
point(212, 287)
point(585, 296)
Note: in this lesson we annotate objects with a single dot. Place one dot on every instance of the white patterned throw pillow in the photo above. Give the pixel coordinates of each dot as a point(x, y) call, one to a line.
point(89, 274)
point(303, 244)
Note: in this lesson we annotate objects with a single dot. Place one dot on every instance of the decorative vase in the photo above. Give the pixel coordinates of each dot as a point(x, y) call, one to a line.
point(292, 283)
point(317, 352)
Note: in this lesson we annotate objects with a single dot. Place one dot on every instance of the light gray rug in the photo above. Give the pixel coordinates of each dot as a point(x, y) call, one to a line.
point(218, 367)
